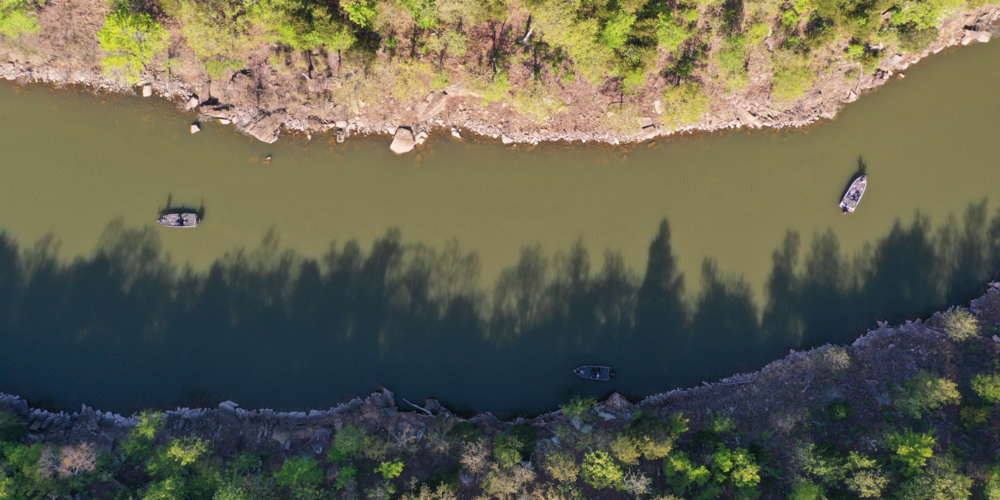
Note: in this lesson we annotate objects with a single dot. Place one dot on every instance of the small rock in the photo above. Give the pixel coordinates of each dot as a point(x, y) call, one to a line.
point(996, 340)
point(402, 141)
point(422, 137)
point(192, 103)
point(147, 90)
point(225, 121)
point(341, 135)
point(658, 107)
point(432, 405)
point(455, 132)
point(341, 124)
point(195, 128)
point(506, 140)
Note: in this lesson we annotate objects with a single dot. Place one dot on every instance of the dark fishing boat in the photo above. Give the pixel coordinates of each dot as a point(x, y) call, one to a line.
point(853, 196)
point(594, 372)
point(179, 220)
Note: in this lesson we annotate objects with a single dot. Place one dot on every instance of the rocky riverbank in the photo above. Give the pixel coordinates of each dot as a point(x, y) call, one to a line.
point(263, 103)
point(774, 407)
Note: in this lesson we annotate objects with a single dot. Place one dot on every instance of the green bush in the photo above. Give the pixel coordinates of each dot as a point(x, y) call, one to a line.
point(732, 62)
point(505, 451)
point(924, 393)
point(738, 469)
point(17, 17)
point(599, 470)
point(465, 432)
point(792, 77)
point(987, 387)
point(138, 444)
point(915, 40)
point(561, 466)
point(720, 423)
point(991, 487)
point(683, 475)
point(960, 325)
point(912, 449)
point(941, 481)
point(12, 429)
point(839, 410)
point(684, 104)
point(654, 438)
point(348, 444)
point(864, 477)
point(390, 470)
point(577, 407)
point(174, 458)
point(131, 41)
point(804, 490)
point(302, 475)
point(527, 438)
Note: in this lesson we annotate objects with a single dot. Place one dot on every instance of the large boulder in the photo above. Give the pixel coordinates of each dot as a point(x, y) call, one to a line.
point(403, 141)
point(267, 126)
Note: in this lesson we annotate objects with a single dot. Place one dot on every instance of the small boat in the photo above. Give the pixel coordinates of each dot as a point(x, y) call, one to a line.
point(179, 220)
point(853, 196)
point(594, 372)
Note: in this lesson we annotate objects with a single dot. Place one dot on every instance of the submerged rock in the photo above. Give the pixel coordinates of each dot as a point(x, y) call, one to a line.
point(195, 128)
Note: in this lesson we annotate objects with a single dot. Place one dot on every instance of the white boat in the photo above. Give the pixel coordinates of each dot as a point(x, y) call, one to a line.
point(179, 220)
point(854, 193)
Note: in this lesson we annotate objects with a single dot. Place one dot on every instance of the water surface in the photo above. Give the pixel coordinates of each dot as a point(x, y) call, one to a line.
point(480, 274)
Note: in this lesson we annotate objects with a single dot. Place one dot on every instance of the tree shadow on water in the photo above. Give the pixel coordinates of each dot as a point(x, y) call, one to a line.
point(125, 328)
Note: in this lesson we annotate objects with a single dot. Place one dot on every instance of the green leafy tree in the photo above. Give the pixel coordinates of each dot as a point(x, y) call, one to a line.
point(683, 475)
point(912, 450)
point(17, 17)
point(302, 476)
point(941, 481)
point(599, 470)
point(12, 430)
point(804, 490)
point(925, 392)
point(139, 442)
point(987, 387)
point(349, 443)
point(391, 469)
point(361, 12)
point(177, 456)
point(308, 26)
point(131, 41)
point(736, 468)
point(732, 62)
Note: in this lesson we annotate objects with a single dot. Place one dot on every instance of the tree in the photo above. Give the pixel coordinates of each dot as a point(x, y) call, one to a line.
point(17, 16)
point(302, 475)
point(131, 41)
point(925, 392)
point(912, 449)
point(390, 470)
point(600, 470)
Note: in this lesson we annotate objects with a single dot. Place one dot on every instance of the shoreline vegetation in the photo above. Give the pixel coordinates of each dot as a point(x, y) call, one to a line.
point(906, 412)
point(613, 71)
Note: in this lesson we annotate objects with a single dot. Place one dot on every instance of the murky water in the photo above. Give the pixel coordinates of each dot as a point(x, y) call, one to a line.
point(107, 324)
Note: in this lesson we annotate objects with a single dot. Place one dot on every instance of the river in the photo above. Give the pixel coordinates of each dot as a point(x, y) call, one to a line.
point(472, 272)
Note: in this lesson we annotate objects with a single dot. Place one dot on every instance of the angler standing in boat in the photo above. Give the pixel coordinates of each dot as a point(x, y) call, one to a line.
point(854, 193)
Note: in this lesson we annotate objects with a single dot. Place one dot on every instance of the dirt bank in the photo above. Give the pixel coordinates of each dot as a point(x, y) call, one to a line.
point(263, 99)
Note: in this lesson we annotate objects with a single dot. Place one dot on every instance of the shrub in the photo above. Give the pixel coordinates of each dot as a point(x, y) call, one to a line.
point(577, 407)
point(736, 468)
point(682, 473)
point(684, 104)
point(527, 438)
point(561, 466)
point(12, 430)
point(505, 451)
point(465, 432)
point(960, 325)
point(173, 458)
point(833, 361)
point(912, 450)
point(839, 410)
point(131, 41)
point(987, 387)
point(672, 32)
point(804, 490)
point(941, 481)
point(792, 77)
point(732, 62)
point(348, 444)
point(991, 487)
point(139, 441)
point(475, 457)
point(864, 477)
point(655, 438)
point(17, 16)
point(506, 483)
point(599, 470)
point(390, 470)
point(925, 392)
point(915, 40)
point(721, 423)
point(626, 450)
point(302, 475)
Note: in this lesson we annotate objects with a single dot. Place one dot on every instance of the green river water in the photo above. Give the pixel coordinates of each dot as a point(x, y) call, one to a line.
point(480, 274)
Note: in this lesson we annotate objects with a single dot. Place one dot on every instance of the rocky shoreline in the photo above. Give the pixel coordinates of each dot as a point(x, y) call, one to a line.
point(458, 110)
point(885, 356)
